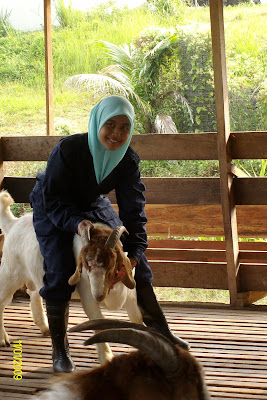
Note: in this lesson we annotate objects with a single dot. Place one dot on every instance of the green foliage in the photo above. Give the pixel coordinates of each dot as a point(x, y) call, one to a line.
point(181, 168)
point(171, 65)
point(5, 25)
point(68, 16)
point(22, 58)
point(252, 167)
point(19, 209)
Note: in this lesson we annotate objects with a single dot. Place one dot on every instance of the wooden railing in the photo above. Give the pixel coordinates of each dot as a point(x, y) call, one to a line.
point(184, 207)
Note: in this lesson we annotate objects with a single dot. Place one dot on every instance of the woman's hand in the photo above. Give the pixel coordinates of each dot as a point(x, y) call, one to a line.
point(133, 262)
point(83, 224)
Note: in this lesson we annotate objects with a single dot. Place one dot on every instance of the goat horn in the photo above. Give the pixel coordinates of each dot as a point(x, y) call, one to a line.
point(85, 235)
point(106, 323)
point(159, 349)
point(115, 236)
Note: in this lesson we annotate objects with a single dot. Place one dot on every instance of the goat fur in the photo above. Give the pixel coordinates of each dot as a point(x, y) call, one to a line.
point(22, 264)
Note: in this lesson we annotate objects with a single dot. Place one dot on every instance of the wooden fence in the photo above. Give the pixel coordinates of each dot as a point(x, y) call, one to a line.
point(184, 207)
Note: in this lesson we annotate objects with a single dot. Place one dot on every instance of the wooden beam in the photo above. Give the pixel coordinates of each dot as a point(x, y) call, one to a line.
point(253, 277)
point(223, 145)
point(208, 275)
point(203, 255)
point(196, 146)
point(248, 145)
point(205, 244)
point(250, 191)
point(48, 68)
point(188, 274)
point(170, 191)
point(237, 172)
point(248, 298)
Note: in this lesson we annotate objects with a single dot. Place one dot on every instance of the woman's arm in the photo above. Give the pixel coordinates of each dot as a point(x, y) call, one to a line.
point(58, 190)
point(131, 203)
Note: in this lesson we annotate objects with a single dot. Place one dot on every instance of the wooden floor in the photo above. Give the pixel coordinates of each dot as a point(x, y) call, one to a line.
point(230, 344)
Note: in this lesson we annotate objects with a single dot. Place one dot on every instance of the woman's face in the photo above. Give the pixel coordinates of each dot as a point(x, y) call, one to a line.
point(115, 132)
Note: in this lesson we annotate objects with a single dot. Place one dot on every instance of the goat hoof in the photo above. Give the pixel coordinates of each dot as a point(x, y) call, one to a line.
point(5, 342)
point(46, 332)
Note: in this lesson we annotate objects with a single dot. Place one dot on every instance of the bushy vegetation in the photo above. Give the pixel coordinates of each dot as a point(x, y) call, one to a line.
point(168, 46)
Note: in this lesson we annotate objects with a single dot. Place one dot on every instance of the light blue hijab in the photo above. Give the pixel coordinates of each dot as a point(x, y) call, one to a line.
point(106, 160)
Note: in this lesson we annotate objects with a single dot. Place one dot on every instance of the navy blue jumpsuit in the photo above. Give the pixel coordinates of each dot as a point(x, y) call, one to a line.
point(67, 193)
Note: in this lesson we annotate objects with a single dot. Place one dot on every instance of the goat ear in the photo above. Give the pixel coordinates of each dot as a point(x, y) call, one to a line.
point(76, 277)
point(128, 278)
point(85, 234)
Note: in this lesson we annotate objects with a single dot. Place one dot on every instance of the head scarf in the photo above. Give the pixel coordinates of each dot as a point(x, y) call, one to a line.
point(106, 160)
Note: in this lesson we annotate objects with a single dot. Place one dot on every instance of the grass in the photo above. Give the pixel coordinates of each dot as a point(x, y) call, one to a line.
point(22, 94)
point(192, 295)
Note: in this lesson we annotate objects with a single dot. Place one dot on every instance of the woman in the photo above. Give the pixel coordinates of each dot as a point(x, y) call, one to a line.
point(69, 194)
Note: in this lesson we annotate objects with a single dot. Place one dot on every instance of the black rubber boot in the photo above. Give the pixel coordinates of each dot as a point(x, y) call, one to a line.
point(153, 315)
point(58, 314)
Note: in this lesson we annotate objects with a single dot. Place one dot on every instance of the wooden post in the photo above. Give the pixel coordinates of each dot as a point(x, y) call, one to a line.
point(223, 135)
point(48, 68)
point(1, 165)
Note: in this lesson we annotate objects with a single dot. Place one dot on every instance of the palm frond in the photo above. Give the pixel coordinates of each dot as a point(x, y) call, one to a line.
point(182, 99)
point(155, 56)
point(116, 72)
point(121, 55)
point(103, 85)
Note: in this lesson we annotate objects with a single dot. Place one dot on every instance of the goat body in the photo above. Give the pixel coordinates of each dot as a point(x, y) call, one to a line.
point(137, 375)
point(22, 264)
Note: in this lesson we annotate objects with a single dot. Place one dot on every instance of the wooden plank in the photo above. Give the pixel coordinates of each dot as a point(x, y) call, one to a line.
point(230, 344)
point(13, 396)
point(48, 67)
point(182, 190)
point(224, 155)
point(189, 274)
point(204, 244)
point(250, 191)
point(207, 275)
point(19, 188)
point(253, 277)
point(173, 219)
point(28, 148)
point(188, 146)
point(203, 255)
point(159, 190)
point(182, 220)
point(191, 191)
point(248, 145)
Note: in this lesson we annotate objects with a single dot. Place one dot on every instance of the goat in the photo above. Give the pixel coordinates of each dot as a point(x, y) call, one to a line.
point(107, 278)
point(158, 371)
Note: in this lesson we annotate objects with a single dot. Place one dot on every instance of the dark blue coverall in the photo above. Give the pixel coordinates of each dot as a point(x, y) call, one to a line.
point(67, 193)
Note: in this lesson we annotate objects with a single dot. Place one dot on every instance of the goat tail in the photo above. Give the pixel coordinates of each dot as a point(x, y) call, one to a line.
point(6, 216)
point(5, 200)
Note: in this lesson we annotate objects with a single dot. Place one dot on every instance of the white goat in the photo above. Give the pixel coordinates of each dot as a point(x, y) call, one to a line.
point(22, 264)
point(159, 371)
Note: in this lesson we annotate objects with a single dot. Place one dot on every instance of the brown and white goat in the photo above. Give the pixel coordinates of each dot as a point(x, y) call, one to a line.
point(158, 371)
point(107, 278)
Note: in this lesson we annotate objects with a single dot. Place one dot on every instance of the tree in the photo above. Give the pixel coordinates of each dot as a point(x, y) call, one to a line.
point(133, 74)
